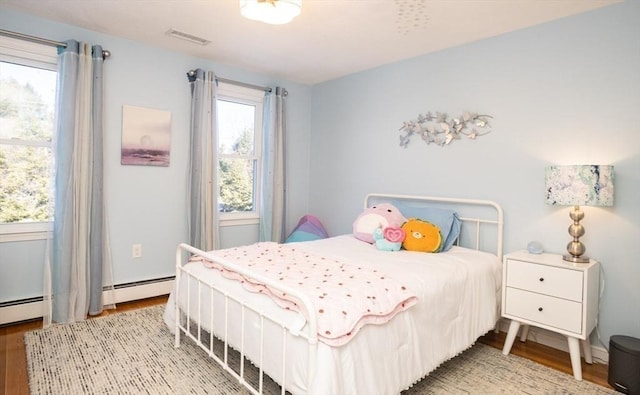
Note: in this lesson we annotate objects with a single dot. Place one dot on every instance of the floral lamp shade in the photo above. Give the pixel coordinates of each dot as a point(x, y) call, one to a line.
point(579, 185)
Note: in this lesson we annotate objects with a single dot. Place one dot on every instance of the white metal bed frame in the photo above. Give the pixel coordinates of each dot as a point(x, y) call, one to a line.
point(187, 327)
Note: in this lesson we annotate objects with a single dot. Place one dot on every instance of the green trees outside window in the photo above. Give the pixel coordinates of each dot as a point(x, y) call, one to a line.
point(26, 130)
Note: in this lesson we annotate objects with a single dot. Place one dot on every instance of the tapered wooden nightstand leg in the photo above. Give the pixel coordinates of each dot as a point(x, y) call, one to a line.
point(574, 351)
point(525, 333)
point(511, 336)
point(586, 346)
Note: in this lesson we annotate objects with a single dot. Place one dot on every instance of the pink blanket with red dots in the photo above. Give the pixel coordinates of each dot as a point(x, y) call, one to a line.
point(345, 295)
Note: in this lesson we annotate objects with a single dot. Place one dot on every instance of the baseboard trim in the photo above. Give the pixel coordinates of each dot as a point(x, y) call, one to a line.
point(32, 308)
point(143, 289)
point(21, 312)
point(557, 341)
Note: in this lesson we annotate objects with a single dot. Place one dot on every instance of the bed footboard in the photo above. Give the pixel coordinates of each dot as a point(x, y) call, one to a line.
point(216, 332)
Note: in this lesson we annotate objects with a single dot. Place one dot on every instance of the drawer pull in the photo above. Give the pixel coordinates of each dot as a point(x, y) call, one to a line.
point(539, 308)
point(541, 279)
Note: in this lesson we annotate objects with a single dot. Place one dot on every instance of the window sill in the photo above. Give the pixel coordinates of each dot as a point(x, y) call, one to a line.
point(22, 236)
point(24, 231)
point(9, 236)
point(239, 221)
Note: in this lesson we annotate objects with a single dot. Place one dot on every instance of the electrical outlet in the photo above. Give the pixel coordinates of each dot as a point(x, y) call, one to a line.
point(136, 251)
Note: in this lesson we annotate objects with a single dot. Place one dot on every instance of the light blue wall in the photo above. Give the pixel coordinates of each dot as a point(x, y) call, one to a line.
point(566, 92)
point(147, 205)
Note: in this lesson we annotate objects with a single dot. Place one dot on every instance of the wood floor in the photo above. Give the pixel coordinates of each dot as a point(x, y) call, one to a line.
point(13, 360)
point(548, 356)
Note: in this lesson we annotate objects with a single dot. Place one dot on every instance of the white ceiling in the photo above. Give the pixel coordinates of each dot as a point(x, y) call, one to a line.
point(330, 39)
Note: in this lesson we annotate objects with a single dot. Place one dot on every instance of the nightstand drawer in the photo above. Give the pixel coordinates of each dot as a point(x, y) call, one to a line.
point(547, 280)
point(542, 309)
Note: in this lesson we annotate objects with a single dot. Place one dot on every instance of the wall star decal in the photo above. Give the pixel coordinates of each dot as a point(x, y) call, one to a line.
point(441, 130)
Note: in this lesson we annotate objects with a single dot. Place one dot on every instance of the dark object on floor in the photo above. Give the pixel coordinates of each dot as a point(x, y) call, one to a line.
point(624, 364)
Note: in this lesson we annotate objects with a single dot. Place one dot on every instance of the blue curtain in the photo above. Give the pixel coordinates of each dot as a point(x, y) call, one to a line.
point(273, 198)
point(78, 263)
point(203, 162)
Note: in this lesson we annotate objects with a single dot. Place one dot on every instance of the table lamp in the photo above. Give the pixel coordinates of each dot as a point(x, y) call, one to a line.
point(578, 185)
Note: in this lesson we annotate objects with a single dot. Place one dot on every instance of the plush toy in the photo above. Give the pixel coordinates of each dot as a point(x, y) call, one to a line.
point(389, 238)
point(378, 216)
point(421, 236)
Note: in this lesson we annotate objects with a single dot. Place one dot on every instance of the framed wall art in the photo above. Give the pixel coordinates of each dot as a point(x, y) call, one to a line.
point(146, 136)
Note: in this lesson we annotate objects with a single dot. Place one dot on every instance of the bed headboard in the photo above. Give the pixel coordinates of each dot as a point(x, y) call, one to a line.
point(482, 220)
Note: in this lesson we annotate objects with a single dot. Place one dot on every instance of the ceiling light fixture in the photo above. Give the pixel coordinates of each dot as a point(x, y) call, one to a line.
point(274, 12)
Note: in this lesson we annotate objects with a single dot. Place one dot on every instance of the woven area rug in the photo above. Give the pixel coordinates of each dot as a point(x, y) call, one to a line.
point(133, 353)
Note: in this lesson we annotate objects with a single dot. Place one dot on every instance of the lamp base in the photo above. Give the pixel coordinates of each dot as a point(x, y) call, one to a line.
point(576, 259)
point(575, 248)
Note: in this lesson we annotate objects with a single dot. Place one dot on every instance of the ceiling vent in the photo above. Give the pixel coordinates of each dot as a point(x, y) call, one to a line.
point(187, 37)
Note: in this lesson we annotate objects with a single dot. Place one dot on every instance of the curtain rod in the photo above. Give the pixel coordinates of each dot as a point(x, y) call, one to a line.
point(38, 40)
point(191, 73)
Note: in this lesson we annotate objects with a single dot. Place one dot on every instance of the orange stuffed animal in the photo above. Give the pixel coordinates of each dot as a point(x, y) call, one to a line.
point(421, 236)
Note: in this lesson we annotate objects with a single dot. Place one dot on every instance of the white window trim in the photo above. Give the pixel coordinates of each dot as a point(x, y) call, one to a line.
point(25, 231)
point(255, 97)
point(228, 221)
point(45, 57)
point(13, 50)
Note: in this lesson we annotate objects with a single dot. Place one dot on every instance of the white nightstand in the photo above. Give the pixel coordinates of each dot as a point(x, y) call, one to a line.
point(546, 291)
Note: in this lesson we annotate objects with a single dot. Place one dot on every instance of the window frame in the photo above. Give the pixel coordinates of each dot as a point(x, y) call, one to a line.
point(45, 57)
point(255, 97)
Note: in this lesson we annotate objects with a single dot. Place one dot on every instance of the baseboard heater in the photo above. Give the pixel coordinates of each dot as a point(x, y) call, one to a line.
point(31, 308)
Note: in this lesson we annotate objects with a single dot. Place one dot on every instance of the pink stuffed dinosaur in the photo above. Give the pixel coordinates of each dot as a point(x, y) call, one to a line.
point(379, 216)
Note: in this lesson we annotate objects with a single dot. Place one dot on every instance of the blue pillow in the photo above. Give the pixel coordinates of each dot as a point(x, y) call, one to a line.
point(446, 219)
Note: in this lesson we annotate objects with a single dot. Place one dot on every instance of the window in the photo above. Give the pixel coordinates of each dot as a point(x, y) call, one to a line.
point(27, 105)
point(240, 152)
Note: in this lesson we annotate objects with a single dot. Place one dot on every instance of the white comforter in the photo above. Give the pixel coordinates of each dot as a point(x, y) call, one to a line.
point(458, 297)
